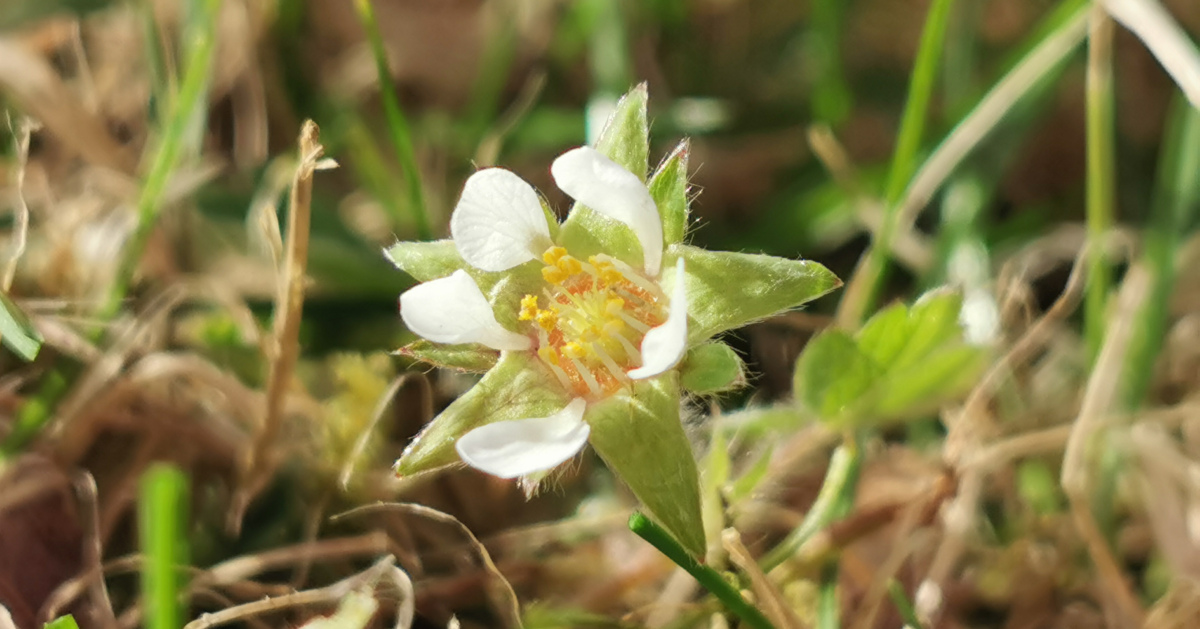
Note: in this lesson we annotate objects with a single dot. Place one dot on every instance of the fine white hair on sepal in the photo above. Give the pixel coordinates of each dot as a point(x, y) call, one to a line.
point(608, 188)
point(663, 346)
point(521, 447)
point(498, 222)
point(453, 310)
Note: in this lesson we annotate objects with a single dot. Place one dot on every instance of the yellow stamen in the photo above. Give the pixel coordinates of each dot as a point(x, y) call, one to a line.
point(553, 254)
point(554, 275)
point(574, 350)
point(547, 319)
point(529, 308)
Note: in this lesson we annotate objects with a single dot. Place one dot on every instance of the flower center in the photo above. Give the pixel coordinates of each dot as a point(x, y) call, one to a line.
point(590, 320)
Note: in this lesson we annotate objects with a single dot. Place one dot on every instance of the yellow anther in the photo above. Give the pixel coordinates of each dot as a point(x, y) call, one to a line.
point(574, 350)
point(553, 254)
point(554, 275)
point(613, 327)
point(548, 355)
point(529, 308)
point(547, 319)
point(590, 334)
point(614, 305)
point(569, 265)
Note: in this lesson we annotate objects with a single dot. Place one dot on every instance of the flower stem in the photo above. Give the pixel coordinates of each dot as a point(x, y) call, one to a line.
point(162, 522)
point(709, 578)
point(907, 613)
point(396, 122)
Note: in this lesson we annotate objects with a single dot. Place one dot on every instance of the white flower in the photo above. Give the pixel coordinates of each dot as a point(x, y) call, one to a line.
point(597, 325)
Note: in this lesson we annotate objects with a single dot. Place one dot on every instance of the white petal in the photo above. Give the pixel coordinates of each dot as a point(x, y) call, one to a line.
point(498, 223)
point(453, 310)
point(663, 346)
point(509, 449)
point(603, 185)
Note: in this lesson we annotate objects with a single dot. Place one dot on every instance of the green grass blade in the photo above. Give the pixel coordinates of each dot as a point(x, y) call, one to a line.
point(1101, 174)
point(183, 108)
point(17, 331)
point(1173, 217)
point(162, 525)
point(904, 162)
point(397, 124)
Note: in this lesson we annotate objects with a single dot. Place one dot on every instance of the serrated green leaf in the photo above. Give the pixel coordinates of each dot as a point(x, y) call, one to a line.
point(884, 336)
point(516, 388)
point(471, 357)
point(833, 376)
point(728, 290)
point(710, 368)
point(922, 388)
point(17, 331)
point(426, 260)
point(669, 189)
point(933, 322)
point(642, 440)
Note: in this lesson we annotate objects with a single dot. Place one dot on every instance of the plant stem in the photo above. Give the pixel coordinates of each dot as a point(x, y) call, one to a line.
point(870, 274)
point(907, 613)
point(162, 521)
point(396, 122)
point(709, 578)
point(840, 481)
point(1101, 172)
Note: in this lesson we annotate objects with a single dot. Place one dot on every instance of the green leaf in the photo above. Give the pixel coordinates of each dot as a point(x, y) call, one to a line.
point(17, 331)
point(905, 362)
point(933, 324)
point(62, 622)
point(710, 368)
point(642, 440)
point(426, 260)
point(728, 290)
point(471, 357)
point(748, 482)
point(625, 140)
point(516, 388)
point(922, 388)
point(833, 375)
point(669, 189)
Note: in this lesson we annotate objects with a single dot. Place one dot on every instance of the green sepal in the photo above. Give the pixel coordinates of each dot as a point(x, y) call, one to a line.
point(711, 368)
point(641, 439)
point(471, 357)
point(426, 260)
point(832, 376)
point(516, 388)
point(625, 140)
point(17, 331)
point(728, 290)
point(669, 189)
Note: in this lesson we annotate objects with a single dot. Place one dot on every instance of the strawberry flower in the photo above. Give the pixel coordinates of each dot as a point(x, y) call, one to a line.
point(588, 331)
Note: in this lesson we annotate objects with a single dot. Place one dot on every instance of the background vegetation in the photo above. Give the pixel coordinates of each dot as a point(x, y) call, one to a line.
point(166, 400)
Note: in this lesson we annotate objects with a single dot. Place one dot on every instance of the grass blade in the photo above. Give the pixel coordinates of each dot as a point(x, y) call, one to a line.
point(397, 124)
point(162, 522)
point(1101, 173)
point(869, 276)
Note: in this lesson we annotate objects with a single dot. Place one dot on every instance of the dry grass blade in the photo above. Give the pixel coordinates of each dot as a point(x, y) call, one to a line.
point(509, 606)
point(770, 599)
point(21, 132)
point(1165, 39)
point(32, 82)
point(1101, 393)
point(93, 552)
point(320, 596)
point(289, 306)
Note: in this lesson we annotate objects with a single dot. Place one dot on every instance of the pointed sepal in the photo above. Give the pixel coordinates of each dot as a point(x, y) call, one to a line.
point(641, 438)
point(517, 387)
point(669, 189)
point(469, 357)
point(765, 285)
